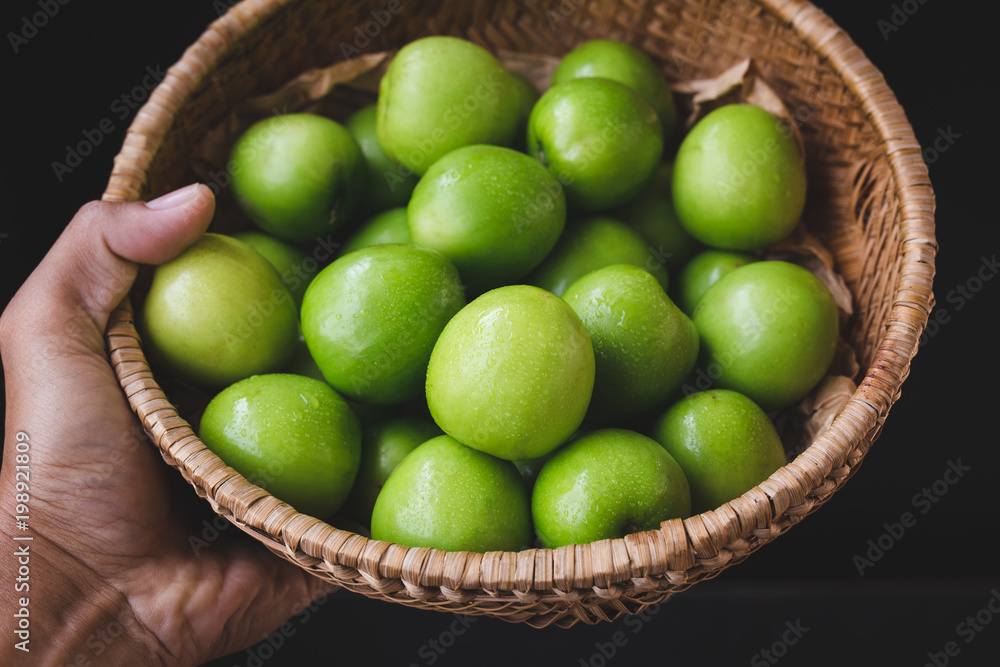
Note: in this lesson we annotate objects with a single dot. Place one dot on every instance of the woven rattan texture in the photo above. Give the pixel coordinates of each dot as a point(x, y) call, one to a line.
point(870, 200)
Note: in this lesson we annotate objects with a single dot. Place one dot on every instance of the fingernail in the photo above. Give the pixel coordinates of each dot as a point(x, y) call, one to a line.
point(175, 198)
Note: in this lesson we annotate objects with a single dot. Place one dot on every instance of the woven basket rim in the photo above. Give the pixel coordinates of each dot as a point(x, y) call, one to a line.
point(696, 537)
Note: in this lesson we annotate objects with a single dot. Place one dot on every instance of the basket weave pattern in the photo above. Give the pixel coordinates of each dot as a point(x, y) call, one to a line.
point(870, 201)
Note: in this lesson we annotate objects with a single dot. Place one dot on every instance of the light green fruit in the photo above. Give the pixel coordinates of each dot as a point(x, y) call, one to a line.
point(386, 227)
point(652, 214)
point(610, 59)
point(769, 331)
point(289, 261)
point(371, 318)
point(218, 313)
point(494, 212)
point(447, 496)
point(607, 484)
point(724, 442)
point(512, 373)
point(442, 93)
point(298, 176)
point(527, 96)
point(591, 244)
point(703, 271)
point(389, 184)
point(383, 445)
point(644, 346)
point(599, 138)
point(293, 436)
point(739, 179)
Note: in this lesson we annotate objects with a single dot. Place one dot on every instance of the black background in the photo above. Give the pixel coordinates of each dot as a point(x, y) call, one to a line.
point(66, 79)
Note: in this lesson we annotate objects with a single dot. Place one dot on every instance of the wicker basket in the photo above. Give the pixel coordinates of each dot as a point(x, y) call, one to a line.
point(870, 201)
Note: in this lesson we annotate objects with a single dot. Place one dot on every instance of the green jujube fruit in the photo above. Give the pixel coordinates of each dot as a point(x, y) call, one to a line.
point(724, 442)
point(218, 313)
point(607, 484)
point(644, 346)
point(769, 331)
point(371, 318)
point(289, 261)
point(441, 93)
point(739, 179)
point(298, 176)
point(512, 373)
point(293, 436)
point(494, 212)
point(447, 496)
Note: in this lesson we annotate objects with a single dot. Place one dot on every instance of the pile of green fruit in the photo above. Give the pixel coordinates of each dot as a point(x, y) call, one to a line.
point(494, 357)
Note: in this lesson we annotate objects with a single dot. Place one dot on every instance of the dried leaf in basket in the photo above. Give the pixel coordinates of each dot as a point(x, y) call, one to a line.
point(741, 83)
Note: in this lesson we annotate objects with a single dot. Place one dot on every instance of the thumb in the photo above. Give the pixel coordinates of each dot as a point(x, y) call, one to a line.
point(94, 262)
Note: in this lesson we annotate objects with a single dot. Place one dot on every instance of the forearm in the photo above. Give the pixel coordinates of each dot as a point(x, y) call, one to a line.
point(56, 611)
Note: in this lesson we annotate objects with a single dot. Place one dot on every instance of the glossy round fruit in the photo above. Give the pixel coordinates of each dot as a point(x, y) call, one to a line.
point(494, 212)
point(371, 319)
point(383, 445)
point(442, 93)
point(652, 214)
point(298, 176)
point(527, 96)
point(703, 271)
point(289, 261)
point(599, 138)
point(591, 244)
point(723, 441)
point(447, 496)
point(293, 436)
point(739, 179)
point(644, 346)
point(218, 313)
point(512, 373)
point(607, 484)
point(386, 227)
point(769, 331)
point(611, 59)
point(389, 185)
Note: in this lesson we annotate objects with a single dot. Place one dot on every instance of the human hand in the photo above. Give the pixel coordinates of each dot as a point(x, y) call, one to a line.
point(110, 545)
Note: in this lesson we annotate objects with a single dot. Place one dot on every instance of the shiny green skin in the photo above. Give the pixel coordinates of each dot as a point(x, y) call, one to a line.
point(771, 330)
point(703, 271)
point(386, 227)
point(591, 244)
point(739, 179)
point(652, 214)
point(298, 176)
point(512, 373)
point(610, 59)
point(442, 93)
point(599, 138)
point(383, 446)
point(494, 212)
point(644, 346)
point(389, 185)
point(447, 496)
point(723, 441)
point(604, 485)
point(371, 318)
point(287, 259)
point(218, 313)
point(291, 435)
